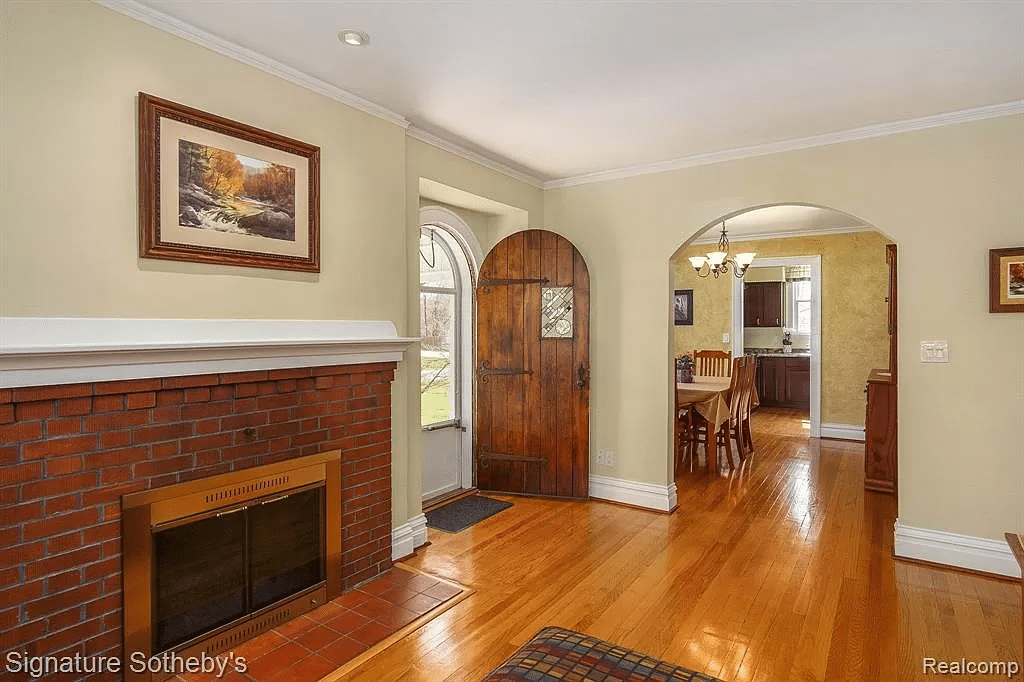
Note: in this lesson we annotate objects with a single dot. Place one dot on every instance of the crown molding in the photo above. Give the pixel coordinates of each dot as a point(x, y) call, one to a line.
point(862, 133)
point(169, 24)
point(470, 155)
point(760, 236)
point(164, 22)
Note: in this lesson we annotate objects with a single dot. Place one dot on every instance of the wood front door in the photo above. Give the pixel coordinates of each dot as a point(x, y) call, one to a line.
point(533, 368)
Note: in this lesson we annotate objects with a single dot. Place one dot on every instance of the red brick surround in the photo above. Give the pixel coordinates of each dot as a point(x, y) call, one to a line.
point(68, 453)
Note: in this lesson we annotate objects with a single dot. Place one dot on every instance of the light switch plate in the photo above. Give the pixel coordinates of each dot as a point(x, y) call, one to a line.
point(934, 351)
point(725, 338)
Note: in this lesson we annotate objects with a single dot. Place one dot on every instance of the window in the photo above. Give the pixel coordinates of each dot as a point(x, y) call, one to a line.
point(798, 298)
point(439, 325)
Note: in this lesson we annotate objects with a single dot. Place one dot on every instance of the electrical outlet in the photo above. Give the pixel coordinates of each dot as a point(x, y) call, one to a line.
point(725, 338)
point(606, 458)
point(934, 351)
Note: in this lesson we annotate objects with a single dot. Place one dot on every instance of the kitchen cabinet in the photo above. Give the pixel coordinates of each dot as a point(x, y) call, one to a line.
point(768, 378)
point(784, 381)
point(798, 382)
point(880, 433)
point(762, 304)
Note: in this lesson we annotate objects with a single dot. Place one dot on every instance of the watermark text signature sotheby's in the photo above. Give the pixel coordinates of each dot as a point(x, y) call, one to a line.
point(962, 666)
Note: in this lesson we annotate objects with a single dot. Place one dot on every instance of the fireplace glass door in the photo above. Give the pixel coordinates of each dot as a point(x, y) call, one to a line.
point(215, 570)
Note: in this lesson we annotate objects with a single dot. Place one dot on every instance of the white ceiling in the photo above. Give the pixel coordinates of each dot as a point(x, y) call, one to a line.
point(562, 89)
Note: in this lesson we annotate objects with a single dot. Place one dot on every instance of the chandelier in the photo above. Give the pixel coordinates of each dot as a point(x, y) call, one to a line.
point(717, 262)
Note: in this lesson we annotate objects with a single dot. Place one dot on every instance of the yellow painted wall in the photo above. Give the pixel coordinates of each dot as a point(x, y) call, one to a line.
point(68, 245)
point(854, 325)
point(71, 71)
point(945, 195)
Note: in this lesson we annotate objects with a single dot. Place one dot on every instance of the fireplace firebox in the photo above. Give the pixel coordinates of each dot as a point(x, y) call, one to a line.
point(210, 563)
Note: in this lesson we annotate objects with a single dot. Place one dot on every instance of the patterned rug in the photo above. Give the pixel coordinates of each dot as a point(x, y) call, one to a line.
point(556, 654)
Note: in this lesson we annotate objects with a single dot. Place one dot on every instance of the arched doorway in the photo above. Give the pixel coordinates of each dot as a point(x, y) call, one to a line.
point(533, 373)
point(448, 257)
point(832, 272)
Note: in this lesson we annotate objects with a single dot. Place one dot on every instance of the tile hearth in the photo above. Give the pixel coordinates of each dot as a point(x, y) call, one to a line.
point(318, 643)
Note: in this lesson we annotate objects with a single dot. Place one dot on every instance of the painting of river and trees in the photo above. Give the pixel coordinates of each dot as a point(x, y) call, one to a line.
point(228, 192)
point(1015, 279)
point(222, 192)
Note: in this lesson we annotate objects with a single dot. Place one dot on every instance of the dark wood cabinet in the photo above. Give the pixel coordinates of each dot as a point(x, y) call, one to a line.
point(784, 381)
point(890, 299)
point(880, 433)
point(762, 304)
point(768, 380)
point(880, 421)
point(798, 382)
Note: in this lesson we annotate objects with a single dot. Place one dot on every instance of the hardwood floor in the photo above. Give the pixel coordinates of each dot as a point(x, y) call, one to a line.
point(779, 571)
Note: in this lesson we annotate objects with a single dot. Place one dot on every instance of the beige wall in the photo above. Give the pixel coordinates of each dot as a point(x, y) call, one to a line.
point(71, 71)
point(68, 222)
point(854, 327)
point(946, 195)
point(479, 223)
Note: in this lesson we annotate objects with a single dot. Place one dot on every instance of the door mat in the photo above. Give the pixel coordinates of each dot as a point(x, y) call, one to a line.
point(464, 512)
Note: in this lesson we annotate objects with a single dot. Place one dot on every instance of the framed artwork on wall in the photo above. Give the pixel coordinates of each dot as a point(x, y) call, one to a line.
point(682, 306)
point(213, 190)
point(1006, 280)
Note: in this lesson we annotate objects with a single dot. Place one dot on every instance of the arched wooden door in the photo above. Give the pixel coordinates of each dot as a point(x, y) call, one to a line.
point(533, 368)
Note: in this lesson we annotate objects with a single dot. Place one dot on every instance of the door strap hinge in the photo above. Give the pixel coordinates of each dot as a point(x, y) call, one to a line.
point(485, 371)
point(486, 456)
point(509, 282)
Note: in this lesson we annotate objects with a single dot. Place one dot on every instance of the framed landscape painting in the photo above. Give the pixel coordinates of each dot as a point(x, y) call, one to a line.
point(213, 190)
point(1006, 280)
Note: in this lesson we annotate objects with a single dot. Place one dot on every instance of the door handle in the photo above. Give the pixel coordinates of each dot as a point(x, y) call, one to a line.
point(582, 376)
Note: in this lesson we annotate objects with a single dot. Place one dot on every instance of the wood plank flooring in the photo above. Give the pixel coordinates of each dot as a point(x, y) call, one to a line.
point(782, 570)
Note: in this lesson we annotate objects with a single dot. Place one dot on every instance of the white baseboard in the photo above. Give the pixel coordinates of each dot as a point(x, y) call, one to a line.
point(842, 431)
point(647, 495)
point(407, 537)
point(951, 549)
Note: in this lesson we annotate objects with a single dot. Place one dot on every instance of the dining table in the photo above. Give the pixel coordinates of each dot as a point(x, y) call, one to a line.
point(709, 397)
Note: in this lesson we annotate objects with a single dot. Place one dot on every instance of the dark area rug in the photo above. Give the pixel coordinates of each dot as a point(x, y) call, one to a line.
point(464, 512)
point(556, 654)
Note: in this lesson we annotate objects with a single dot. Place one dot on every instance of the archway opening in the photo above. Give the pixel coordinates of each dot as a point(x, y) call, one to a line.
point(824, 276)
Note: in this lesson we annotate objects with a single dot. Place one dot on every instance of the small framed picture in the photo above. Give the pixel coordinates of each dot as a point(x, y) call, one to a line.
point(682, 306)
point(1006, 280)
point(213, 190)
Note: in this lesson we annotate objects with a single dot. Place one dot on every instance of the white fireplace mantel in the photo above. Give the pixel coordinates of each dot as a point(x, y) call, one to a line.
point(42, 351)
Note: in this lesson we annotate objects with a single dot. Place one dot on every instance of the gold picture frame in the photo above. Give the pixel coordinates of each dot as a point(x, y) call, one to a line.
point(213, 190)
point(1006, 280)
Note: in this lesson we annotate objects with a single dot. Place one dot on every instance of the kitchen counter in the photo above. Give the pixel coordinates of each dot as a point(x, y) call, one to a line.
point(797, 353)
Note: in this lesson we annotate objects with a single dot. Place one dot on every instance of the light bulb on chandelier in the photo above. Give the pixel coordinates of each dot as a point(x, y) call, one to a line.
point(718, 262)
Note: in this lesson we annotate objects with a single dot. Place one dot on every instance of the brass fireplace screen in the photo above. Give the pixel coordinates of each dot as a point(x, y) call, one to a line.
point(210, 563)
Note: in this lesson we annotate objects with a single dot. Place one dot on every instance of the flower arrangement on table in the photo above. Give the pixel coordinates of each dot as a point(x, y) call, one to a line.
point(684, 369)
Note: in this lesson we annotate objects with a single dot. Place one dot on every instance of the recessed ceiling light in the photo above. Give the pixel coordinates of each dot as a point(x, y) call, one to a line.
point(353, 37)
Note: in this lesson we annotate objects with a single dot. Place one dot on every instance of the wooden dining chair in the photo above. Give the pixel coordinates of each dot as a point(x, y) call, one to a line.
point(722, 437)
point(686, 449)
point(712, 363)
point(740, 421)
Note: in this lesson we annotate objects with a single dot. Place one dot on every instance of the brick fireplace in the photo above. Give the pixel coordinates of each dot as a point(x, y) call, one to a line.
point(70, 450)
